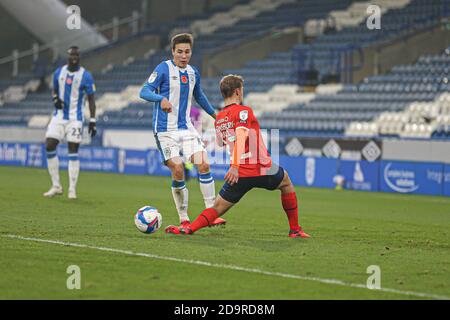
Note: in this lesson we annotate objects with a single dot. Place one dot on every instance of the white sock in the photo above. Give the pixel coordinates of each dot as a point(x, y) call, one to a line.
point(181, 197)
point(74, 170)
point(53, 168)
point(208, 189)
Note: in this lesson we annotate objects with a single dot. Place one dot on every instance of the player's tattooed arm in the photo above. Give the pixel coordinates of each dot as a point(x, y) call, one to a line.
point(92, 122)
point(232, 175)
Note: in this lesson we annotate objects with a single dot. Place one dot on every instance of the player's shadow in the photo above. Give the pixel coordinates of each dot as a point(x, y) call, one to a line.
point(221, 239)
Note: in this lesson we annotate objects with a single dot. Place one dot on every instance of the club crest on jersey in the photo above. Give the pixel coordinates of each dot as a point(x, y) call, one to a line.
point(184, 79)
point(243, 115)
point(152, 77)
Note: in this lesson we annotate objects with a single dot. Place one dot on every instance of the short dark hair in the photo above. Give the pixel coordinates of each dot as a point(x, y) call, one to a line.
point(182, 38)
point(73, 48)
point(230, 83)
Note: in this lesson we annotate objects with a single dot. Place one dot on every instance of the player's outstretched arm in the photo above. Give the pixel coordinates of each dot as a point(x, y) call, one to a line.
point(201, 98)
point(148, 93)
point(88, 80)
point(92, 121)
point(203, 101)
point(59, 104)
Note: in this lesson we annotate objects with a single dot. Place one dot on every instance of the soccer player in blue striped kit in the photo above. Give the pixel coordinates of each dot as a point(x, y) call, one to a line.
point(171, 87)
point(70, 83)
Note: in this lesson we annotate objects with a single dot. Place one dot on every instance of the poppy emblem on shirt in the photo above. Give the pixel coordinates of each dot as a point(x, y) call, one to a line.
point(184, 79)
point(69, 81)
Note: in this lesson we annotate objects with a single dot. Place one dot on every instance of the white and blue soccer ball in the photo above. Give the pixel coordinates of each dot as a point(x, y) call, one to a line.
point(148, 219)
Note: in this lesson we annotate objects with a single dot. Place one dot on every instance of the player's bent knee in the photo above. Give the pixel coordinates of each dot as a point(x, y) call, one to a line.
point(177, 171)
point(286, 182)
point(51, 144)
point(286, 177)
point(173, 162)
point(204, 167)
point(199, 159)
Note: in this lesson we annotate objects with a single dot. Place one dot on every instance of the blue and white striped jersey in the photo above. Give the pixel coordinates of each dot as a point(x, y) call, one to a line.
point(178, 86)
point(71, 88)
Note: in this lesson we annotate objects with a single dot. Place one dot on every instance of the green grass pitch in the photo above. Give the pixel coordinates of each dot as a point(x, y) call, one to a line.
point(406, 236)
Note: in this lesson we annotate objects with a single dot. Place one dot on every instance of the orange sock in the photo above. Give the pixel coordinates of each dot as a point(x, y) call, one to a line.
point(204, 219)
point(289, 201)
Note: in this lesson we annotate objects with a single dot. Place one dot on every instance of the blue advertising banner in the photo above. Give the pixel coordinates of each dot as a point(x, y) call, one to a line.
point(411, 177)
point(91, 158)
point(295, 166)
point(22, 154)
point(387, 176)
point(447, 180)
point(13, 154)
point(155, 165)
point(132, 161)
point(219, 171)
point(360, 175)
point(219, 162)
point(309, 171)
point(36, 156)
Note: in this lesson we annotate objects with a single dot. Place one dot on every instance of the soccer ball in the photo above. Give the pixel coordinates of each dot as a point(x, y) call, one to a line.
point(148, 219)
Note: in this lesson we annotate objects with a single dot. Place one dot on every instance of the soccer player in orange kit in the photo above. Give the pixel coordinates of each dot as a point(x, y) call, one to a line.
point(251, 165)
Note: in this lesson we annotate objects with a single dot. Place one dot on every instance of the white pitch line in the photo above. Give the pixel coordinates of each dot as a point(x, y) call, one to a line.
point(230, 267)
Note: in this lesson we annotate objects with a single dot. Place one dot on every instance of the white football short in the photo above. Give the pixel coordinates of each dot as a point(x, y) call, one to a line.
point(181, 143)
point(70, 130)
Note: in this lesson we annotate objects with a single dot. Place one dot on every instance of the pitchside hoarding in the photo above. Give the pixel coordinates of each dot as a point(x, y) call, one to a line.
point(388, 176)
point(141, 162)
point(132, 161)
point(412, 177)
point(310, 171)
point(360, 175)
point(155, 165)
point(91, 158)
point(447, 180)
point(19, 154)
